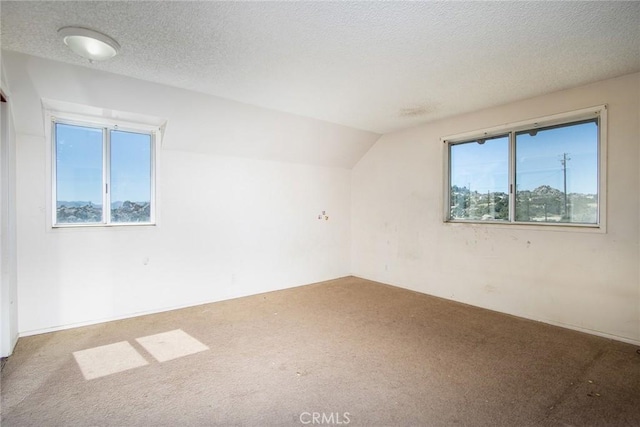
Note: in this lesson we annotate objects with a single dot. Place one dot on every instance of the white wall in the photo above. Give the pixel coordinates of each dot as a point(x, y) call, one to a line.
point(241, 188)
point(228, 225)
point(8, 248)
point(582, 280)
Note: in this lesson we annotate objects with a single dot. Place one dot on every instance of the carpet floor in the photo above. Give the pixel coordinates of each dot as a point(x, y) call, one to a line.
point(343, 352)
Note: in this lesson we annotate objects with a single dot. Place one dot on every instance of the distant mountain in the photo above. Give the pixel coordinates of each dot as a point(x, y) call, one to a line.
point(79, 204)
point(547, 191)
point(542, 204)
point(131, 212)
point(76, 204)
point(87, 212)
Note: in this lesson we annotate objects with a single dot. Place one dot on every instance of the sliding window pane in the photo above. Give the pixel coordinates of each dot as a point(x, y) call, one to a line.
point(79, 193)
point(557, 174)
point(131, 157)
point(479, 181)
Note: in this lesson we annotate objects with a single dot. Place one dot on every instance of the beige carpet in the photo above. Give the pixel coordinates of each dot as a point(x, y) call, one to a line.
point(344, 352)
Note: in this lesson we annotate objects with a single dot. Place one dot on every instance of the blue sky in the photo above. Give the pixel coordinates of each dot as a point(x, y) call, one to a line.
point(79, 165)
point(538, 161)
point(130, 167)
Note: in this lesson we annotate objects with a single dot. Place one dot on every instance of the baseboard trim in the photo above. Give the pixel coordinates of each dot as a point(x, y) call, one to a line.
point(521, 316)
point(153, 311)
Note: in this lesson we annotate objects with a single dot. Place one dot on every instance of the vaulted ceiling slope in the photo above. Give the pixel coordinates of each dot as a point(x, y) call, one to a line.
point(376, 66)
point(194, 121)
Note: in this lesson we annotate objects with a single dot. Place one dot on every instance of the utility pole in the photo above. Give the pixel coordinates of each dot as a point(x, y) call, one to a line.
point(488, 204)
point(563, 161)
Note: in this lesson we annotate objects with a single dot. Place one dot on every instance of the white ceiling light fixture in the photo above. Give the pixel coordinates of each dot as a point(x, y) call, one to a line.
point(89, 44)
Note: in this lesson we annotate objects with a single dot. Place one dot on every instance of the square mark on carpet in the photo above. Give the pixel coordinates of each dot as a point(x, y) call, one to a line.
point(171, 345)
point(108, 359)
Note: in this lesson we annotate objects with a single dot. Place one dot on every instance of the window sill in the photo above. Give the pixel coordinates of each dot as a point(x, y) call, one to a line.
point(561, 227)
point(102, 226)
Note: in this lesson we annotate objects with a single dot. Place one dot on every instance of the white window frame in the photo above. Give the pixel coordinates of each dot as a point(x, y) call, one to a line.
point(91, 117)
point(510, 129)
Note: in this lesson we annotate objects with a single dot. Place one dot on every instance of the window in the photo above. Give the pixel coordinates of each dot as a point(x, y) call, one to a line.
point(102, 175)
point(547, 171)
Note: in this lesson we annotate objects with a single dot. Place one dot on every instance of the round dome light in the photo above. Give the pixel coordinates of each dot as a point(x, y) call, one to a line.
point(89, 44)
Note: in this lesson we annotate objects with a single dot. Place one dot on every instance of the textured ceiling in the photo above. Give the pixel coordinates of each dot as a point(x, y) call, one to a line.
point(378, 66)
